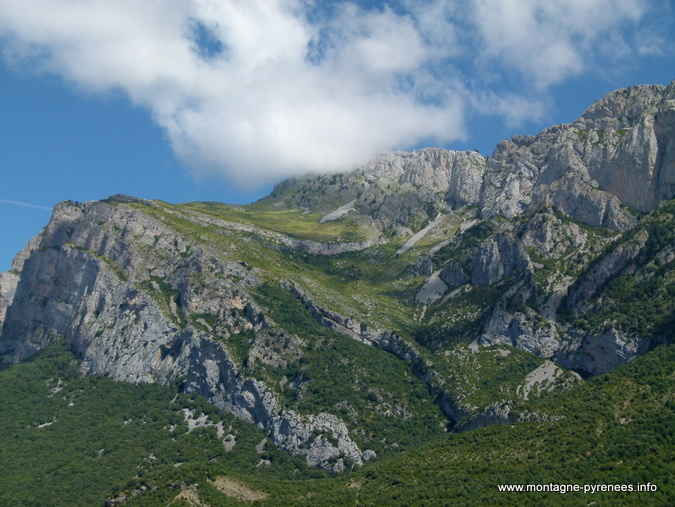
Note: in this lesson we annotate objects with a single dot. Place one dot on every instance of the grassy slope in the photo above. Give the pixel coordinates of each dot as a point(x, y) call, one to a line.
point(61, 461)
point(381, 401)
point(374, 287)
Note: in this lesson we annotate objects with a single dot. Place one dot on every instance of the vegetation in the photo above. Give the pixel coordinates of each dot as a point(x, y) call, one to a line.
point(617, 429)
point(79, 440)
point(72, 440)
point(461, 318)
point(107, 438)
point(381, 401)
point(640, 301)
point(291, 222)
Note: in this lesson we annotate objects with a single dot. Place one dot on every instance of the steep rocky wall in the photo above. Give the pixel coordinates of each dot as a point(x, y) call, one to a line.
point(141, 302)
point(103, 277)
point(10, 279)
point(587, 168)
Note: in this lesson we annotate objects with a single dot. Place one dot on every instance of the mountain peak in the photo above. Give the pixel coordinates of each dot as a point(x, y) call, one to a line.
point(627, 105)
point(421, 292)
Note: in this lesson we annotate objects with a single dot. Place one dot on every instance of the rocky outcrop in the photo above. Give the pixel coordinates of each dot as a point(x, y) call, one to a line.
point(454, 274)
point(499, 412)
point(149, 292)
point(597, 354)
point(457, 174)
point(10, 279)
point(127, 313)
point(323, 438)
point(513, 320)
point(498, 258)
point(583, 201)
point(620, 152)
point(606, 267)
point(522, 330)
point(631, 150)
point(8, 283)
point(551, 237)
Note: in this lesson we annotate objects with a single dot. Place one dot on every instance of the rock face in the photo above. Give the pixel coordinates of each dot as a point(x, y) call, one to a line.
point(498, 258)
point(10, 279)
point(459, 175)
point(8, 283)
point(621, 150)
point(538, 249)
point(87, 280)
point(601, 353)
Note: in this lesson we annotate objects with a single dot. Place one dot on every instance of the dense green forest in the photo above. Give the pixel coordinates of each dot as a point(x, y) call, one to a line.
point(67, 439)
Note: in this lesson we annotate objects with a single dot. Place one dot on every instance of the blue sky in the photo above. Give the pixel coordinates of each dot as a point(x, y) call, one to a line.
point(185, 100)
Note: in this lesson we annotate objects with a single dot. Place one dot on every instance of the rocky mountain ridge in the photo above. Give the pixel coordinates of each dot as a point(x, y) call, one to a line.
point(619, 151)
point(479, 281)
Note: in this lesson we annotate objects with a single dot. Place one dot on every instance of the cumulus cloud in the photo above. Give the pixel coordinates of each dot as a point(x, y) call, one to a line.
point(550, 41)
point(262, 89)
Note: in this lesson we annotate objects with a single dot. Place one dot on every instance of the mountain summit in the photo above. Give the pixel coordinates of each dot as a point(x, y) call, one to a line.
point(344, 313)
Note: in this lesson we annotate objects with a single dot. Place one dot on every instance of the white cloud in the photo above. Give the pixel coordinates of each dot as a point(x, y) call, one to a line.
point(282, 91)
point(515, 109)
point(550, 41)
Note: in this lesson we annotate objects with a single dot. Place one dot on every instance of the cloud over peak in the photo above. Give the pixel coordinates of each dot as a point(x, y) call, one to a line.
point(263, 89)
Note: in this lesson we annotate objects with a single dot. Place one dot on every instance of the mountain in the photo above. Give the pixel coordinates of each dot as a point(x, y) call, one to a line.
point(360, 315)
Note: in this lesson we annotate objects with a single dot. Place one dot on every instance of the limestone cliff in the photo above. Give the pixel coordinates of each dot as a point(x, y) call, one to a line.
point(460, 280)
point(117, 285)
point(621, 150)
